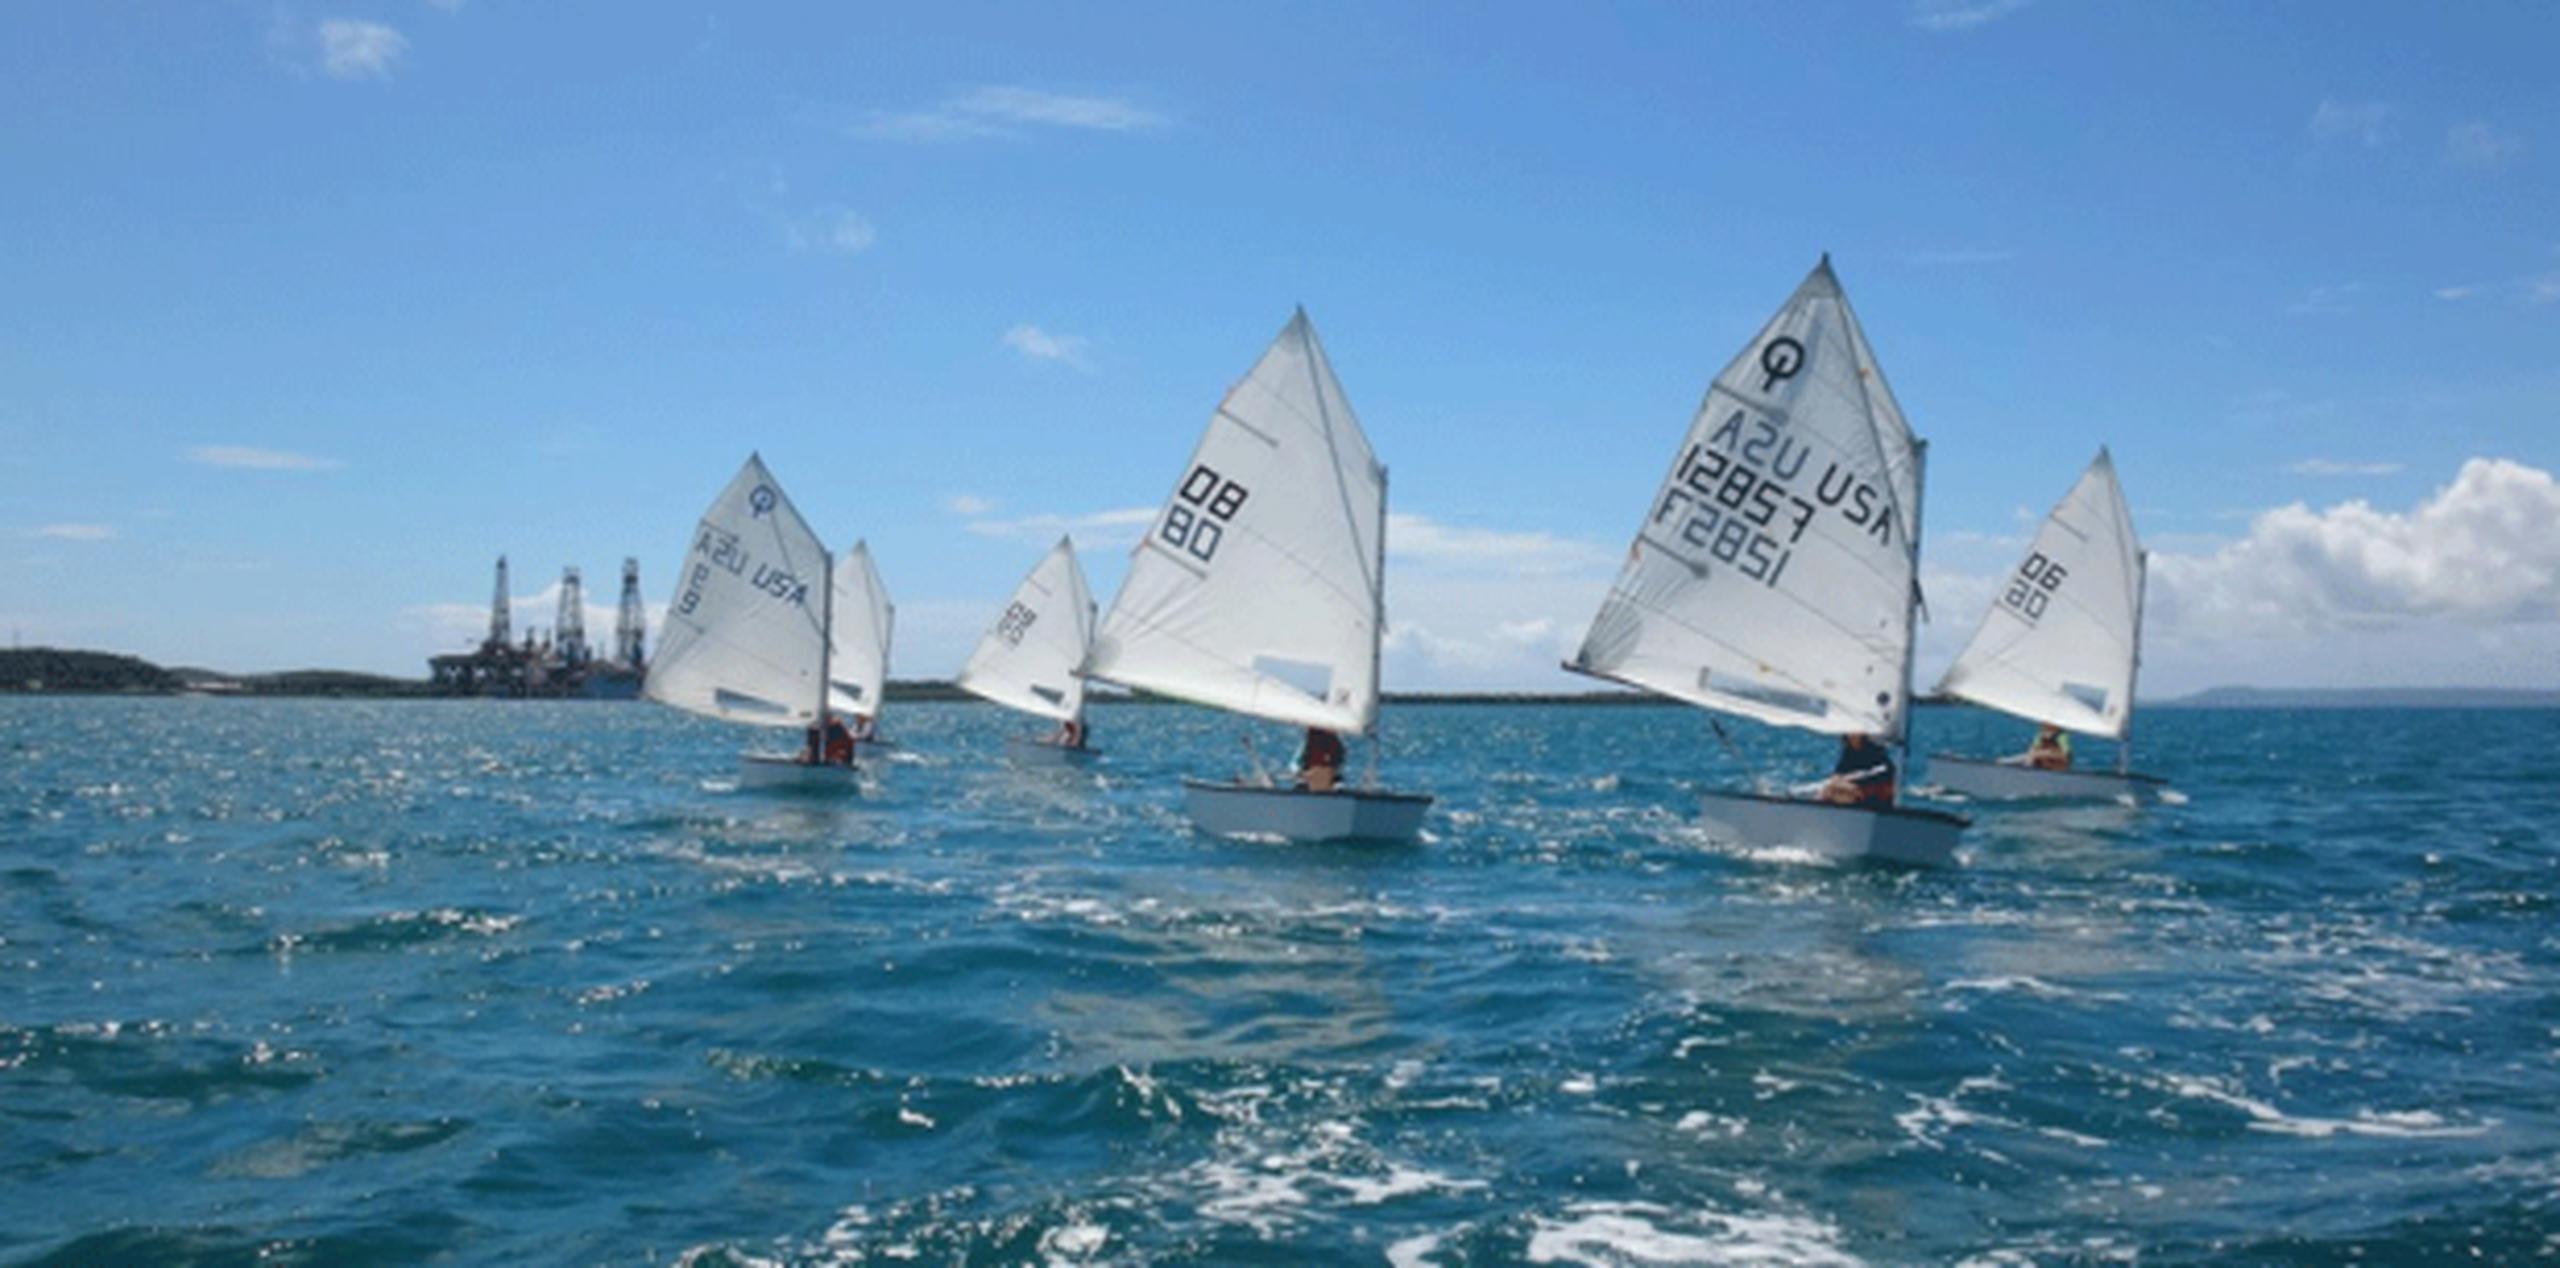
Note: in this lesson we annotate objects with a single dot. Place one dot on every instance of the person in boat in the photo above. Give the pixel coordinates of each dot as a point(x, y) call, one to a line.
point(2051, 750)
point(1070, 734)
point(1320, 761)
point(864, 729)
point(1864, 775)
point(812, 745)
point(839, 745)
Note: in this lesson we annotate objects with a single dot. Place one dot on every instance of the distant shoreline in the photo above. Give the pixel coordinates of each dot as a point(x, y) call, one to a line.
point(68, 672)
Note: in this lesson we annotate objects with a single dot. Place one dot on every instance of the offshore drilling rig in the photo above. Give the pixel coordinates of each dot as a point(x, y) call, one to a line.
point(555, 664)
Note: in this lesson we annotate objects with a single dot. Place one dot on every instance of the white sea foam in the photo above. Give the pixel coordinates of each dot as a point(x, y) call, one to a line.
point(2405, 1124)
point(1713, 1126)
point(1613, 1234)
point(2028, 984)
point(1069, 1242)
point(1414, 1252)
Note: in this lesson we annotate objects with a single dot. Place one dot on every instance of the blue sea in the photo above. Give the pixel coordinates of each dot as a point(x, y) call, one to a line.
point(336, 982)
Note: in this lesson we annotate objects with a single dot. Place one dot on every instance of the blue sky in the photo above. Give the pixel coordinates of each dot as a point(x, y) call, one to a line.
point(308, 311)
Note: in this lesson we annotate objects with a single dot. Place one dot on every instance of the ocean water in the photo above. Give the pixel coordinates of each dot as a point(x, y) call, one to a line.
point(318, 982)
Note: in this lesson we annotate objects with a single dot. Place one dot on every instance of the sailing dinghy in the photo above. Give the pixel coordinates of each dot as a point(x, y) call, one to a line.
point(2061, 645)
point(1259, 589)
point(1774, 575)
point(747, 636)
point(1028, 659)
point(863, 621)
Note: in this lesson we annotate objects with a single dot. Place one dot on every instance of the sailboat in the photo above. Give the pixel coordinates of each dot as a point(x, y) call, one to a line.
point(2061, 645)
point(747, 637)
point(1028, 659)
point(1774, 576)
point(1259, 589)
point(860, 644)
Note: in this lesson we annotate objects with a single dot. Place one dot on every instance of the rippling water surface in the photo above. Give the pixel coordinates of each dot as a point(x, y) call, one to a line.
point(331, 982)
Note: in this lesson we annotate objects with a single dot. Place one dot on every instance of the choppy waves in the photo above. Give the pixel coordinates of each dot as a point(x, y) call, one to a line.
point(333, 983)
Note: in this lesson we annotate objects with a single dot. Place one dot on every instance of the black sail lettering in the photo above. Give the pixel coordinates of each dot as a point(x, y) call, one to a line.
point(1824, 489)
point(1780, 467)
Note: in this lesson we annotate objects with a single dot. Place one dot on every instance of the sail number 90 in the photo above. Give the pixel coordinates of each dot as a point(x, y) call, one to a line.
point(2034, 586)
point(1016, 622)
point(1202, 508)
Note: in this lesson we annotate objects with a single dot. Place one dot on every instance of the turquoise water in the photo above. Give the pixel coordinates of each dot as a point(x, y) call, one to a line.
point(311, 982)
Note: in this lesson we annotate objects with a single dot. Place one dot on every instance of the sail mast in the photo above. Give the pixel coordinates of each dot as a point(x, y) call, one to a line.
point(1911, 611)
point(2133, 675)
point(826, 641)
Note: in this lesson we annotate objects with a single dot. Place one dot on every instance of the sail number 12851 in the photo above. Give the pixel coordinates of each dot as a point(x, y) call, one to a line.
point(1725, 510)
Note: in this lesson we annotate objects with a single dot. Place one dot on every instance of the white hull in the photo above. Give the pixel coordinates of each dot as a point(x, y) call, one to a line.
point(1346, 814)
point(1843, 833)
point(777, 772)
point(2000, 781)
point(1022, 750)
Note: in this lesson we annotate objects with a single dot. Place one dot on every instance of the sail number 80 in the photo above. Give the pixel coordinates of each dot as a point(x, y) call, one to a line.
point(1202, 508)
point(2034, 586)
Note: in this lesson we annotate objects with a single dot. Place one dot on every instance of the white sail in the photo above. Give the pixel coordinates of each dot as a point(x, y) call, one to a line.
point(1029, 657)
point(2058, 644)
point(1257, 588)
point(1773, 574)
point(863, 619)
point(744, 634)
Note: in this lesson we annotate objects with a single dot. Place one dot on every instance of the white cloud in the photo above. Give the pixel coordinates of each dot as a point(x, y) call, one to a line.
point(1420, 539)
point(1040, 345)
point(2334, 467)
point(1961, 15)
point(2326, 301)
point(2480, 145)
point(74, 532)
point(967, 504)
point(1008, 110)
point(351, 49)
point(2533, 288)
point(834, 231)
point(2482, 551)
point(2462, 588)
point(250, 458)
point(1059, 110)
point(2368, 123)
point(1119, 527)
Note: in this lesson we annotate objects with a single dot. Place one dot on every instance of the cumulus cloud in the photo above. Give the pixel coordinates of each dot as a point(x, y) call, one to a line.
point(251, 458)
point(1008, 110)
point(1961, 15)
point(2333, 467)
point(2483, 550)
point(351, 49)
point(833, 231)
point(74, 532)
point(2366, 123)
point(1041, 345)
point(967, 504)
point(2480, 145)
